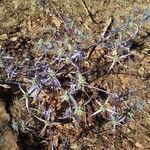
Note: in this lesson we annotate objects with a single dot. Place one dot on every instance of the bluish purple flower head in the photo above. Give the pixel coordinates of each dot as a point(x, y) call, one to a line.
point(68, 113)
point(34, 91)
point(77, 53)
point(73, 88)
point(11, 72)
point(47, 114)
point(113, 112)
point(119, 119)
point(53, 83)
point(58, 67)
point(45, 77)
point(116, 119)
point(42, 68)
point(47, 47)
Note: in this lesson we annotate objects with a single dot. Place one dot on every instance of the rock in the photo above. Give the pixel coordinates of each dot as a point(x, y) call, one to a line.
point(13, 39)
point(131, 127)
point(141, 70)
point(3, 37)
point(8, 141)
point(139, 146)
point(57, 22)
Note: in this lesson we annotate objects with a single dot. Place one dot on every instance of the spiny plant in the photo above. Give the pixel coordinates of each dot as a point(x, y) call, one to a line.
point(106, 107)
point(57, 86)
point(116, 58)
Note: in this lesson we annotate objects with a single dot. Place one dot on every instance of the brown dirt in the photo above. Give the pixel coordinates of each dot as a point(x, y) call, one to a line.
point(8, 139)
point(23, 22)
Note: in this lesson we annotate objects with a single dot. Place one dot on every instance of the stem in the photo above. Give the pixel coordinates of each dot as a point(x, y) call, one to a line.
point(92, 87)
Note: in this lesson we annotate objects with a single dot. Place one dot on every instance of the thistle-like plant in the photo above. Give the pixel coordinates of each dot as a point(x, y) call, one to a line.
point(65, 96)
point(15, 126)
point(81, 81)
point(47, 122)
point(79, 111)
point(26, 96)
point(35, 88)
point(21, 125)
point(52, 79)
point(24, 126)
point(59, 68)
point(116, 120)
point(47, 77)
point(104, 108)
point(76, 53)
point(116, 58)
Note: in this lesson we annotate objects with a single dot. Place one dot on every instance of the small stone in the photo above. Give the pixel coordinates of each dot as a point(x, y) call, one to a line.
point(47, 10)
point(74, 146)
point(138, 145)
point(146, 51)
point(128, 130)
point(141, 70)
point(3, 36)
point(131, 127)
point(13, 39)
point(57, 22)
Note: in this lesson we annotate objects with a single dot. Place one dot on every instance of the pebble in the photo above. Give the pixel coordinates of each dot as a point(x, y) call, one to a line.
point(3, 37)
point(131, 127)
point(146, 51)
point(13, 39)
point(141, 70)
point(138, 145)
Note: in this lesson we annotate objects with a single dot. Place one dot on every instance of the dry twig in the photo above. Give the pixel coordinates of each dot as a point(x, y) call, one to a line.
point(104, 35)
